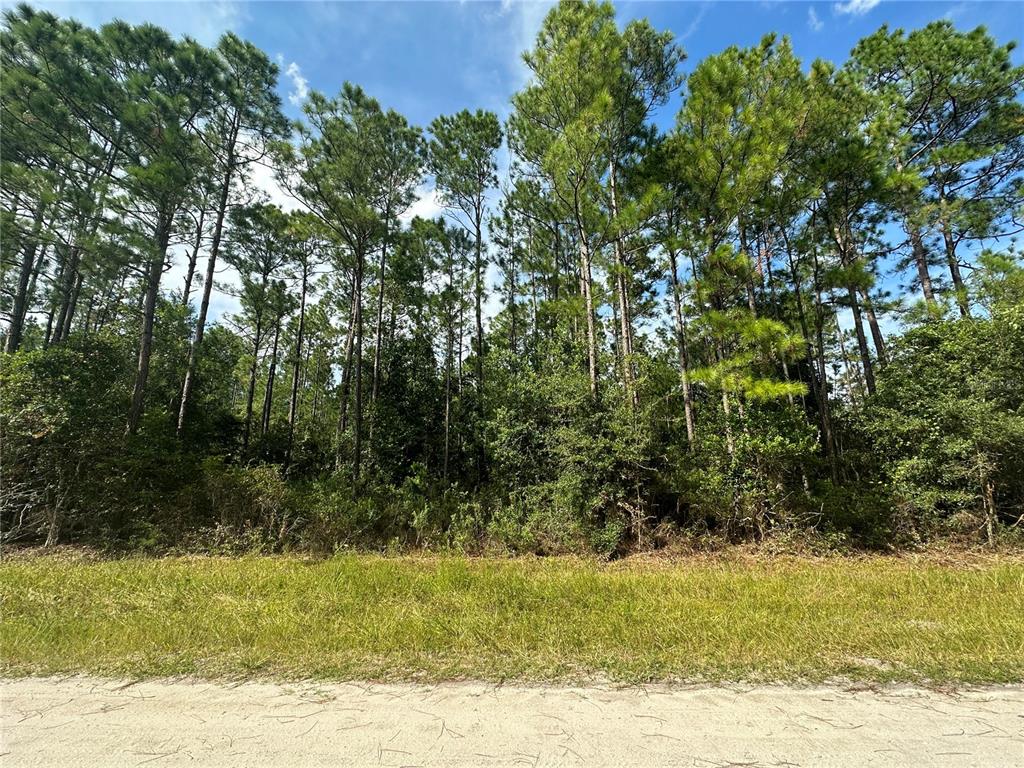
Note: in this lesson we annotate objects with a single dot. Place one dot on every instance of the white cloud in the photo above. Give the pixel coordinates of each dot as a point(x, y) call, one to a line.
point(261, 177)
point(300, 85)
point(855, 7)
point(813, 21)
point(426, 206)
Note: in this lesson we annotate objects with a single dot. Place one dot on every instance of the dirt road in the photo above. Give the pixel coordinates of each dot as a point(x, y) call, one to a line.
point(84, 722)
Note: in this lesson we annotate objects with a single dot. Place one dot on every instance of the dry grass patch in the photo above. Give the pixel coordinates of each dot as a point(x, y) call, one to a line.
point(359, 616)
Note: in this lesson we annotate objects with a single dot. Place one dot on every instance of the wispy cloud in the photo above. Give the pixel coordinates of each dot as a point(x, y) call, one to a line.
point(694, 25)
point(956, 10)
point(204, 21)
point(524, 20)
point(855, 7)
point(813, 21)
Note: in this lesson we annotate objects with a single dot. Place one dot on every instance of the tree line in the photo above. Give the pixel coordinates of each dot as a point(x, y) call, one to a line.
point(798, 310)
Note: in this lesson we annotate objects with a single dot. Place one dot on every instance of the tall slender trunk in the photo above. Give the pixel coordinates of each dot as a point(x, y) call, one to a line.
point(315, 409)
point(380, 319)
point(730, 444)
point(513, 289)
point(63, 259)
point(49, 328)
point(20, 307)
point(954, 270)
point(622, 291)
point(88, 312)
point(33, 280)
point(684, 357)
point(876, 331)
point(68, 277)
point(921, 260)
point(250, 394)
point(816, 353)
point(586, 284)
point(153, 274)
point(462, 323)
point(749, 278)
point(293, 402)
point(862, 341)
point(204, 305)
point(72, 280)
point(357, 443)
point(847, 258)
point(69, 318)
point(193, 257)
point(852, 367)
point(448, 393)
point(346, 375)
point(478, 297)
point(268, 393)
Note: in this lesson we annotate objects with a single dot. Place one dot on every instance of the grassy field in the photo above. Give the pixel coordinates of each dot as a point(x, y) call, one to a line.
point(447, 618)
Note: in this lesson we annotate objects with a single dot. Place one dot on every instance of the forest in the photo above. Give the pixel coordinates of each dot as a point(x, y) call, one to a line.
point(797, 315)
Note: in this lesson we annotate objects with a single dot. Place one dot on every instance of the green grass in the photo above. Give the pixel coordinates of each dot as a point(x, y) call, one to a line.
point(445, 618)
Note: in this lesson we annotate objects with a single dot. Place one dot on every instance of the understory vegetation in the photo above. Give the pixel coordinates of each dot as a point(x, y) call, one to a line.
point(794, 314)
point(368, 617)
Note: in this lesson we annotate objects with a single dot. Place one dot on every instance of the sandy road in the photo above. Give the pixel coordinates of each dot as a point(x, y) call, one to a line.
point(84, 722)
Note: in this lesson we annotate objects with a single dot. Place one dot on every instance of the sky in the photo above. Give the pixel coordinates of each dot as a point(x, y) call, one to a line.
point(429, 57)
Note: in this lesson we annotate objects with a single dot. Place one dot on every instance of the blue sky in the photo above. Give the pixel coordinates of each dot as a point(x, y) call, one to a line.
point(428, 58)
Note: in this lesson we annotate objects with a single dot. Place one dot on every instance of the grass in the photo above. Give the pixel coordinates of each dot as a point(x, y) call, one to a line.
point(370, 617)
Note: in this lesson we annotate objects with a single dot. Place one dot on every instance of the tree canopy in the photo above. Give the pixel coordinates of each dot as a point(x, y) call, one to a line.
point(797, 309)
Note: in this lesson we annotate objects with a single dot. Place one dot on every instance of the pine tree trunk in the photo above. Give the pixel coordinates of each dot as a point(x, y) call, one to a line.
point(586, 284)
point(730, 444)
point(357, 443)
point(20, 306)
point(268, 393)
point(380, 320)
point(513, 289)
point(447, 403)
point(921, 260)
point(204, 306)
point(153, 274)
point(684, 361)
point(876, 330)
point(250, 394)
point(314, 411)
point(622, 291)
point(821, 377)
point(846, 258)
point(749, 280)
point(346, 376)
point(954, 271)
point(478, 295)
point(193, 257)
point(68, 277)
point(293, 401)
point(462, 324)
point(862, 342)
point(69, 318)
